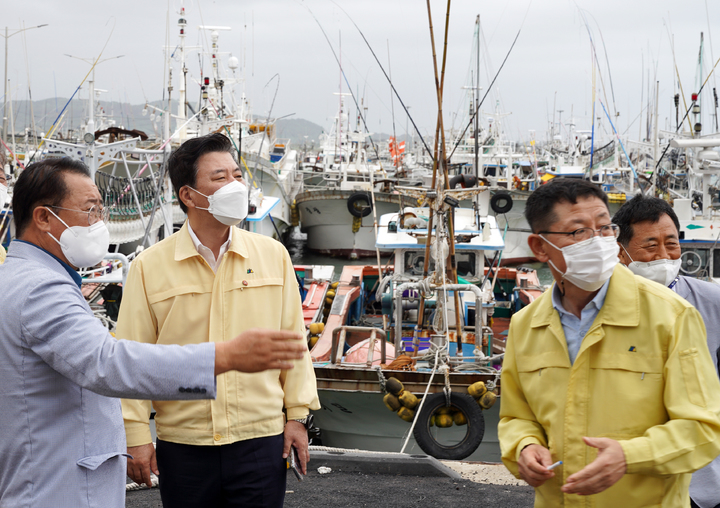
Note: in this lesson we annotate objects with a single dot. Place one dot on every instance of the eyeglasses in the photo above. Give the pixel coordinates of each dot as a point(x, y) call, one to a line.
point(95, 214)
point(582, 234)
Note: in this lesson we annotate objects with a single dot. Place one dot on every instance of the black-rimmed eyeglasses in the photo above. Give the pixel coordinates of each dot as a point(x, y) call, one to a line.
point(582, 234)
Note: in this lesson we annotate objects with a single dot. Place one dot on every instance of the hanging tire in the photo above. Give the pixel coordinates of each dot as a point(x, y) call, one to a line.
point(475, 427)
point(501, 202)
point(359, 204)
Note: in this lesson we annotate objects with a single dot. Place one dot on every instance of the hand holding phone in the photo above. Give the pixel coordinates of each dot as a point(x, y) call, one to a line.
point(294, 464)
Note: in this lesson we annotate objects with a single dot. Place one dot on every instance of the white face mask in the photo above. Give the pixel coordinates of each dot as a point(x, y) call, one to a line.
point(228, 204)
point(590, 263)
point(83, 245)
point(662, 271)
point(3, 195)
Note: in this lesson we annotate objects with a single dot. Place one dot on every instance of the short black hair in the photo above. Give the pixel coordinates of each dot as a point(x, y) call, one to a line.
point(640, 209)
point(42, 183)
point(182, 164)
point(540, 206)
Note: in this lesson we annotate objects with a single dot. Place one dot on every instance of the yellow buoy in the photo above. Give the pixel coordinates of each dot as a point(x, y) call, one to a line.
point(488, 400)
point(313, 341)
point(330, 294)
point(316, 328)
point(432, 421)
point(443, 421)
point(408, 399)
point(334, 285)
point(392, 402)
point(476, 390)
point(406, 414)
point(459, 418)
point(444, 410)
point(394, 386)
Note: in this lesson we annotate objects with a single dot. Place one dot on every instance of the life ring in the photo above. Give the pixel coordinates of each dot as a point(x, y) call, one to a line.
point(501, 202)
point(475, 427)
point(360, 204)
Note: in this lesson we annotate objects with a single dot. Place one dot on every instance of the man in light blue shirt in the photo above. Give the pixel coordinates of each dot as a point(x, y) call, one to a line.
point(650, 247)
point(576, 328)
point(63, 440)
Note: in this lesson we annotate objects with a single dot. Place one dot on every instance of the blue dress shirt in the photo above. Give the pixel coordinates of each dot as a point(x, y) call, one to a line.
point(575, 329)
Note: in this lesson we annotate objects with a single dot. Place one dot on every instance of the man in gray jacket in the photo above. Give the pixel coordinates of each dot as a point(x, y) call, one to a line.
point(63, 441)
point(650, 247)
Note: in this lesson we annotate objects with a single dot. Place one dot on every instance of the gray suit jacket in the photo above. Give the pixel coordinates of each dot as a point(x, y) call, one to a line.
point(63, 440)
point(705, 297)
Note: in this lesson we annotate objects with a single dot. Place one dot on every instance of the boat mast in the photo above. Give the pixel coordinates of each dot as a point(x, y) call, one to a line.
point(182, 99)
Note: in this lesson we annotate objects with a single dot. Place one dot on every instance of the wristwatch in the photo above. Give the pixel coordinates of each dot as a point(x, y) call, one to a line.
point(305, 421)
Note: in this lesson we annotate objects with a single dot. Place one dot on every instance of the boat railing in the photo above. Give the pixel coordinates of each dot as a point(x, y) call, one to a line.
point(339, 337)
point(425, 287)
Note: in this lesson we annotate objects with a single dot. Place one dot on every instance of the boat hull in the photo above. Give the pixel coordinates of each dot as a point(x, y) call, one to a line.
point(360, 420)
point(324, 216)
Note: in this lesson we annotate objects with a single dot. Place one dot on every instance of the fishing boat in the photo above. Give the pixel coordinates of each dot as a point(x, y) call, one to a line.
point(343, 193)
point(699, 213)
point(407, 323)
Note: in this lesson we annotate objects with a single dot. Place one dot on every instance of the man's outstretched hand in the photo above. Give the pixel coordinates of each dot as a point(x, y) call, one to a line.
point(259, 349)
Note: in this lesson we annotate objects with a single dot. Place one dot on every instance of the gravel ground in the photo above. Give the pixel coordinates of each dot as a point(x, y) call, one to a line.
point(482, 485)
point(495, 474)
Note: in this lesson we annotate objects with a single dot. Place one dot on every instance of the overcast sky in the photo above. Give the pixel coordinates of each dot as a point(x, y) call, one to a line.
point(550, 62)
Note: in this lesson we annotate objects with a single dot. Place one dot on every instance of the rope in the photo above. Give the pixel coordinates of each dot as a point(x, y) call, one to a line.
point(446, 389)
point(135, 486)
point(402, 362)
point(417, 413)
point(381, 379)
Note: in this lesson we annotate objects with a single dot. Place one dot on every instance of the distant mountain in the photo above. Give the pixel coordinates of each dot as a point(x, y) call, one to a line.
point(131, 116)
point(299, 131)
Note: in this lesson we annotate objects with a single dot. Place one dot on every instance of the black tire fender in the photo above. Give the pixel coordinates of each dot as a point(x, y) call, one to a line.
point(501, 202)
point(360, 204)
point(473, 436)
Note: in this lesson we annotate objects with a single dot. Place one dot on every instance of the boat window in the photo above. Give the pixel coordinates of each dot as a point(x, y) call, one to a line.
point(466, 263)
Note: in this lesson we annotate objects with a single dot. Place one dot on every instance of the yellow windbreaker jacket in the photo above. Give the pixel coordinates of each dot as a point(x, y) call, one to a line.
point(643, 376)
point(172, 296)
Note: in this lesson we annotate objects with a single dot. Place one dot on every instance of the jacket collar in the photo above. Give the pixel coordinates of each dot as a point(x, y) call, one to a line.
point(185, 248)
point(621, 307)
point(27, 250)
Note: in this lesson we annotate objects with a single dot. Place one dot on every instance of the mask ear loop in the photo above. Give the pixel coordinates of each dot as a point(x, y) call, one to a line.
point(64, 223)
point(561, 284)
point(203, 195)
point(627, 254)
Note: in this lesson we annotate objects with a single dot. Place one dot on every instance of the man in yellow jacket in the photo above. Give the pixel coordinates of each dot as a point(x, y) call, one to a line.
point(607, 372)
point(207, 283)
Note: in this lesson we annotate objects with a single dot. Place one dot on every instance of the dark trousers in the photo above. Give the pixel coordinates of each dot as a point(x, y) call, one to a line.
point(692, 503)
point(247, 473)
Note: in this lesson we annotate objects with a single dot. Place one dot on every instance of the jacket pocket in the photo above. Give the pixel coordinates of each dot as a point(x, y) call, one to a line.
point(93, 462)
point(627, 393)
point(691, 375)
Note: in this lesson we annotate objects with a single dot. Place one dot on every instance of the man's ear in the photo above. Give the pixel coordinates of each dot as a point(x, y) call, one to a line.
point(623, 255)
point(41, 218)
point(539, 247)
point(187, 197)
